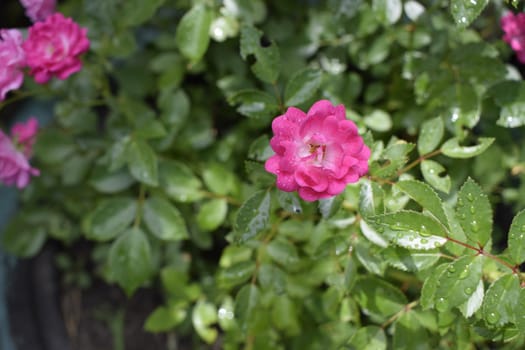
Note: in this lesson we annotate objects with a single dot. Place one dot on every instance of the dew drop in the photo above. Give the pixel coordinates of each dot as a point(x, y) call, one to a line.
point(451, 269)
point(460, 202)
point(424, 231)
point(424, 241)
point(469, 291)
point(472, 209)
point(522, 229)
point(462, 216)
point(492, 317)
point(437, 244)
point(474, 226)
point(380, 230)
point(463, 274)
point(441, 304)
point(470, 197)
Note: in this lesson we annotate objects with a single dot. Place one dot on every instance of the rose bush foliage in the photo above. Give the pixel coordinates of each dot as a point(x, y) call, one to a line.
point(159, 148)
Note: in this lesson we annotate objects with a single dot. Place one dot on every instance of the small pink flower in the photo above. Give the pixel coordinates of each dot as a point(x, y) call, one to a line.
point(14, 166)
point(12, 60)
point(38, 10)
point(24, 134)
point(317, 153)
point(514, 28)
point(53, 46)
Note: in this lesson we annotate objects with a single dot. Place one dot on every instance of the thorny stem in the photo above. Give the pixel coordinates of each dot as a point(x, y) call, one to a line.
point(407, 308)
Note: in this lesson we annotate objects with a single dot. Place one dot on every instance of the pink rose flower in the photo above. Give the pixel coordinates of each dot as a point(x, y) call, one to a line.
point(38, 10)
point(316, 153)
point(14, 166)
point(12, 60)
point(53, 48)
point(24, 134)
point(514, 28)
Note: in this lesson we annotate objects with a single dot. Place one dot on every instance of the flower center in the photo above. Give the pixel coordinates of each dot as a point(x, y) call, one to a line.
point(317, 153)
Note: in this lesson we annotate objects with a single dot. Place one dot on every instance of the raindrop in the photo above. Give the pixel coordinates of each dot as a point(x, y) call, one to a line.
point(522, 228)
point(463, 274)
point(380, 230)
point(424, 231)
point(437, 244)
point(474, 226)
point(462, 216)
point(472, 209)
point(397, 226)
point(470, 197)
point(469, 291)
point(460, 202)
point(451, 269)
point(492, 317)
point(424, 241)
point(441, 304)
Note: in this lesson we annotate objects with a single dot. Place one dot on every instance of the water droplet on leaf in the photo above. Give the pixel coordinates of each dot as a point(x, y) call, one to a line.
point(468, 291)
point(441, 304)
point(493, 317)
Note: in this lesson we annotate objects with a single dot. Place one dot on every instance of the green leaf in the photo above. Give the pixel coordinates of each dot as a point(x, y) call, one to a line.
point(409, 333)
point(452, 149)
point(520, 311)
point(135, 12)
point(268, 60)
point(192, 35)
point(142, 162)
point(246, 303)
point(175, 107)
point(474, 302)
point(516, 242)
point(283, 252)
point(372, 235)
point(387, 10)
point(212, 214)
point(130, 260)
point(394, 157)
point(204, 315)
point(428, 291)
point(371, 197)
point(457, 282)
point(179, 182)
point(378, 120)
point(329, 207)
point(410, 229)
point(378, 297)
point(110, 218)
point(53, 146)
point(500, 304)
point(218, 178)
point(164, 318)
point(464, 12)
point(290, 202)
point(431, 171)
point(164, 220)
point(425, 196)
point(24, 238)
point(302, 86)
point(430, 136)
point(474, 212)
point(111, 182)
point(236, 274)
point(368, 338)
point(284, 315)
point(253, 216)
point(407, 260)
point(255, 103)
point(510, 96)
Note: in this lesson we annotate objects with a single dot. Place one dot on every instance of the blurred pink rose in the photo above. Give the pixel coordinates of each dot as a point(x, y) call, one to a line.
point(514, 28)
point(12, 60)
point(38, 10)
point(53, 46)
point(24, 135)
point(14, 166)
point(317, 153)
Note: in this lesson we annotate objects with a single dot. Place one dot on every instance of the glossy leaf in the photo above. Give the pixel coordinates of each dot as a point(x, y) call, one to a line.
point(164, 220)
point(408, 260)
point(388, 10)
point(474, 212)
point(453, 149)
point(464, 12)
point(430, 136)
point(236, 274)
point(410, 229)
point(457, 282)
point(179, 182)
point(110, 218)
point(163, 319)
point(283, 252)
point(409, 333)
point(368, 338)
point(302, 86)
point(516, 242)
point(252, 216)
point(142, 162)
point(23, 238)
point(192, 35)
point(255, 103)
point(520, 311)
point(378, 296)
point(246, 303)
point(203, 316)
point(328, 207)
point(267, 65)
point(130, 260)
point(212, 214)
point(425, 196)
point(474, 302)
point(432, 171)
point(499, 306)
point(430, 286)
point(371, 197)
